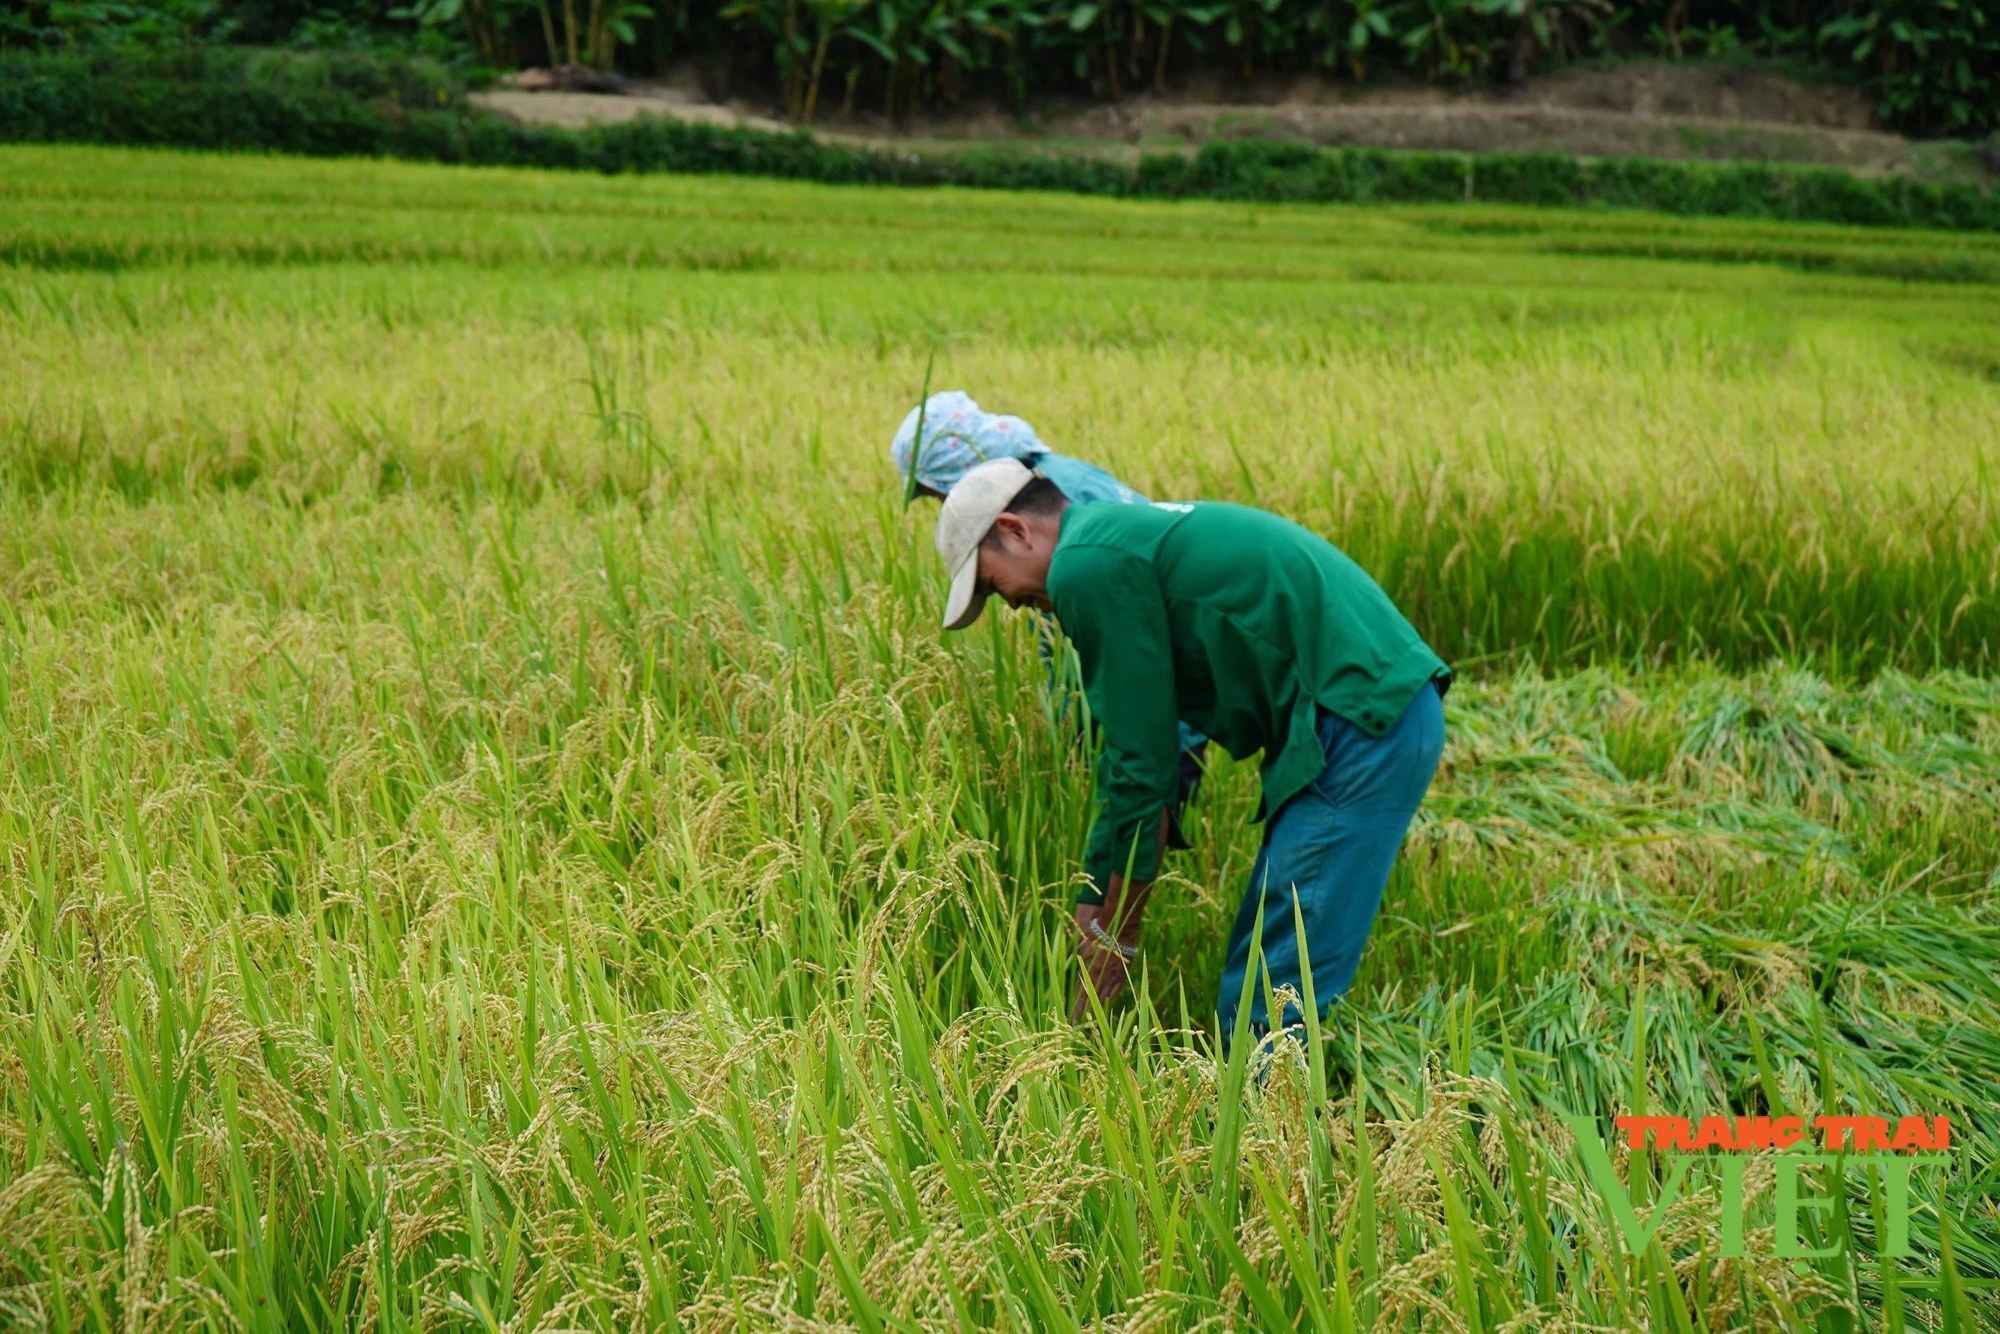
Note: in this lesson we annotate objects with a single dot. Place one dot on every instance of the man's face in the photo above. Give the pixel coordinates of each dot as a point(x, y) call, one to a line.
point(1014, 560)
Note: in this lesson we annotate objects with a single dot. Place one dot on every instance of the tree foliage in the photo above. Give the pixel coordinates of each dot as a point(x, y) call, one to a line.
point(1934, 63)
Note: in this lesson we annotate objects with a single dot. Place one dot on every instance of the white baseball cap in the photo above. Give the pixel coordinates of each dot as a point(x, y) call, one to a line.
point(980, 497)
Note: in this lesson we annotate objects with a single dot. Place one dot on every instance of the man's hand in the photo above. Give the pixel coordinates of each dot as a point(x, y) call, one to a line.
point(1101, 969)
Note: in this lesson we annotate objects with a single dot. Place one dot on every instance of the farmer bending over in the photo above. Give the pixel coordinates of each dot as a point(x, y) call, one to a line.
point(1264, 636)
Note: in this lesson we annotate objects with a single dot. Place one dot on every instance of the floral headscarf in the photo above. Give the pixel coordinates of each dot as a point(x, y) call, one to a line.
point(959, 435)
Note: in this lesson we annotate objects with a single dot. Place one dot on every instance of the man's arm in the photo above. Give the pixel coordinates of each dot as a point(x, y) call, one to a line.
point(1109, 604)
point(1110, 607)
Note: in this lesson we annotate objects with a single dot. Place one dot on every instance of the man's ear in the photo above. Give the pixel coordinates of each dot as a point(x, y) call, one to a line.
point(1010, 527)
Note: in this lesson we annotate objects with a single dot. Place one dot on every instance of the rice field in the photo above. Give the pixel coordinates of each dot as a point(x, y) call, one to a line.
point(492, 839)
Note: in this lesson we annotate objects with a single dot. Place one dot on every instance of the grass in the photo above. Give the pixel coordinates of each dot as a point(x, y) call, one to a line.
point(494, 839)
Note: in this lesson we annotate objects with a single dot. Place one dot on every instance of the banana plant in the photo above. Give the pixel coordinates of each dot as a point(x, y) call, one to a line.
point(1076, 30)
point(614, 23)
point(1439, 39)
point(1161, 14)
point(905, 35)
point(1009, 25)
point(1177, 19)
point(1254, 28)
point(1346, 29)
point(791, 49)
point(830, 19)
point(489, 23)
point(1558, 28)
point(1938, 63)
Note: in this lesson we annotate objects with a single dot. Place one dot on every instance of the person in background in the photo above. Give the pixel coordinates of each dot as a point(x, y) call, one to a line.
point(959, 435)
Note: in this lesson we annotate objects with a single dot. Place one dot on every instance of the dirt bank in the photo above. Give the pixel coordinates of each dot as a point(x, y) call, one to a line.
point(1641, 109)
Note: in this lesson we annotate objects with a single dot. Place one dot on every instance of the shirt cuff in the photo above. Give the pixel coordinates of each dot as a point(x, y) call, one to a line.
point(1145, 864)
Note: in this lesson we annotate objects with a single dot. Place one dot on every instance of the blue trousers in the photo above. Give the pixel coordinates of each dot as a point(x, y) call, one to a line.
point(1331, 847)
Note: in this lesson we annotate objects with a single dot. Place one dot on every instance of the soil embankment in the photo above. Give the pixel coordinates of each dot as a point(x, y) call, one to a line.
point(1644, 109)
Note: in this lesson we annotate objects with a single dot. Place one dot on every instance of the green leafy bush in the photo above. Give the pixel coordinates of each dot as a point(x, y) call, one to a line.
point(221, 97)
point(1937, 61)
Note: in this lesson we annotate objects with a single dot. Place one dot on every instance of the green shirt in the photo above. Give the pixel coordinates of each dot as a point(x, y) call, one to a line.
point(1240, 622)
